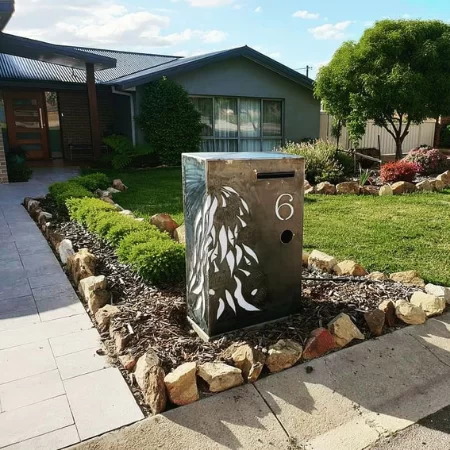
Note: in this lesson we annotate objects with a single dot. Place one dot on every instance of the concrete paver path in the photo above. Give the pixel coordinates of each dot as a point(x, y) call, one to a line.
point(55, 390)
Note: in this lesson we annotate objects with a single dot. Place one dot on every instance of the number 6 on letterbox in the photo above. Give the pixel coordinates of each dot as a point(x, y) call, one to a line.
point(244, 225)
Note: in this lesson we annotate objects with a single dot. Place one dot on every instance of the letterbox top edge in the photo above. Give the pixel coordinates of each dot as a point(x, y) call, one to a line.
point(229, 156)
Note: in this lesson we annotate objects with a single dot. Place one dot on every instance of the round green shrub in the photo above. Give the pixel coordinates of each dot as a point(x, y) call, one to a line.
point(93, 181)
point(81, 208)
point(158, 261)
point(138, 237)
point(60, 192)
point(169, 120)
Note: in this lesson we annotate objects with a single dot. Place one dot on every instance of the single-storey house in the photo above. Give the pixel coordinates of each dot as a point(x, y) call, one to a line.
point(59, 101)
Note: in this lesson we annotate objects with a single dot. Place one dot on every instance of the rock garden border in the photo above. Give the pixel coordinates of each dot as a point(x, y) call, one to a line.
point(437, 184)
point(387, 302)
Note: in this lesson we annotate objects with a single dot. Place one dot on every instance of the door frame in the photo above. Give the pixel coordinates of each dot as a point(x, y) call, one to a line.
point(8, 94)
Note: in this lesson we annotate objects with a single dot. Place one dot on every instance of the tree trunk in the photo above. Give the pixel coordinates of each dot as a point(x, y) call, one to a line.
point(398, 148)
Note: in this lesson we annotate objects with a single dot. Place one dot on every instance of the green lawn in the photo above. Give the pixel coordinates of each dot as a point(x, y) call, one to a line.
point(383, 233)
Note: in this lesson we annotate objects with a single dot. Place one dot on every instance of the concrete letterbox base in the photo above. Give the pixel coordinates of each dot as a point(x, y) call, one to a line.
point(244, 223)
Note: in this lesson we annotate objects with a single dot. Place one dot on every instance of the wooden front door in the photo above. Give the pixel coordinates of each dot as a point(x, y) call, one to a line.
point(26, 120)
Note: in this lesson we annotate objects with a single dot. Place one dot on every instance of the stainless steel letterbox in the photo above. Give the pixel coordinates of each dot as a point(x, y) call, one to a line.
point(244, 225)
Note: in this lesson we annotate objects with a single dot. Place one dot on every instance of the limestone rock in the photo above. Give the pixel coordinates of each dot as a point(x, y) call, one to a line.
point(93, 290)
point(403, 187)
point(27, 200)
point(108, 200)
point(326, 188)
point(348, 187)
point(438, 291)
point(150, 377)
point(349, 268)
point(117, 184)
point(388, 307)
point(181, 384)
point(128, 361)
point(437, 185)
point(370, 190)
point(246, 358)
point(409, 313)
point(410, 278)
point(180, 234)
point(54, 237)
point(164, 223)
point(104, 315)
point(44, 217)
point(33, 205)
point(126, 212)
point(65, 250)
point(305, 259)
point(282, 355)
point(100, 193)
point(444, 178)
point(424, 186)
point(306, 185)
point(321, 261)
point(220, 376)
point(344, 330)
point(112, 190)
point(35, 213)
point(120, 339)
point(311, 190)
point(320, 341)
point(385, 190)
point(431, 304)
point(377, 276)
point(81, 265)
point(375, 321)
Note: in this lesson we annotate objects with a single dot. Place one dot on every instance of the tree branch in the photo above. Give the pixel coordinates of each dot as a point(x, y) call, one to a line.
point(406, 131)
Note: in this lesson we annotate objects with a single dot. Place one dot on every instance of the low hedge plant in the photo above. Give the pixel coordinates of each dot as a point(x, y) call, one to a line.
point(93, 181)
point(78, 187)
point(149, 252)
point(158, 260)
point(62, 191)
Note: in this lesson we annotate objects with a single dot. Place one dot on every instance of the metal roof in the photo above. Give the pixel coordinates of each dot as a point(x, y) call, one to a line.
point(195, 62)
point(17, 68)
point(52, 53)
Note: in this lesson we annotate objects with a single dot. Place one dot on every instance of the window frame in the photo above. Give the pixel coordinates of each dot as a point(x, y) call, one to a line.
point(240, 138)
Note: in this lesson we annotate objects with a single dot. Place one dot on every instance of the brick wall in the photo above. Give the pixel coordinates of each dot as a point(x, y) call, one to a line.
point(75, 120)
point(3, 171)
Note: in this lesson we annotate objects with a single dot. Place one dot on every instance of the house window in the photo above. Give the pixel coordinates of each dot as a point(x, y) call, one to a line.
point(233, 124)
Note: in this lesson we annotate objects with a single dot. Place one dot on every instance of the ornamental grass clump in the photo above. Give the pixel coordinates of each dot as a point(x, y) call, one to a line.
point(323, 161)
point(398, 171)
point(428, 160)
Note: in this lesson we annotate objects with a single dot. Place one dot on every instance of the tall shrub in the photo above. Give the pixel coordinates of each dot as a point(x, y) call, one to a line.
point(169, 120)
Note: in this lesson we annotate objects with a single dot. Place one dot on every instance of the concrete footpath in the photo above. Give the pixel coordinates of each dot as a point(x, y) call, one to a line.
point(55, 390)
point(350, 400)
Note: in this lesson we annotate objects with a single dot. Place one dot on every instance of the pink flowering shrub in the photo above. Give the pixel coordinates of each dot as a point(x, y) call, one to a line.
point(428, 160)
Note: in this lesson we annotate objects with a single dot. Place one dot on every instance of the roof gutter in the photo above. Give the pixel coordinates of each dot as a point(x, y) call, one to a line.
point(133, 125)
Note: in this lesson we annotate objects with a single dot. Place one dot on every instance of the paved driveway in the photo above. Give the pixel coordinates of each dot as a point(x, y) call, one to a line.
point(55, 390)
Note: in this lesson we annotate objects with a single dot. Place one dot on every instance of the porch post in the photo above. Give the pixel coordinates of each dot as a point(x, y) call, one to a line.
point(93, 109)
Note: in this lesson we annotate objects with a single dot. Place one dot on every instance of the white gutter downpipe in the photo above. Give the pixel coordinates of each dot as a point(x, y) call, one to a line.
point(133, 125)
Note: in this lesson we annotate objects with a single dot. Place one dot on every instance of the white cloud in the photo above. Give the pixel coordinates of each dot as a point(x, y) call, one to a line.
point(238, 6)
point(330, 31)
point(305, 15)
point(100, 23)
point(258, 9)
point(274, 55)
point(209, 3)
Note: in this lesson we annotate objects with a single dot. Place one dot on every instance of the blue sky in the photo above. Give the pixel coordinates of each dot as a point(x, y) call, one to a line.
point(295, 32)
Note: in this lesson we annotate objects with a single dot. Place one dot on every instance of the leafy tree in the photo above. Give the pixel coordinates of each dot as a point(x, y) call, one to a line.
point(398, 74)
point(169, 120)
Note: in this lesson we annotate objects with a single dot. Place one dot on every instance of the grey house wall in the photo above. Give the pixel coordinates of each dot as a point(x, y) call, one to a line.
point(242, 77)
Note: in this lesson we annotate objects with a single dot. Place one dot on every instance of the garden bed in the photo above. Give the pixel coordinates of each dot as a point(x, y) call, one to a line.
point(158, 316)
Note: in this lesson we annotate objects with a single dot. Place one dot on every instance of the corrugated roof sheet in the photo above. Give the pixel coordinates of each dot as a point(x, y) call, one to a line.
point(18, 68)
point(195, 62)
